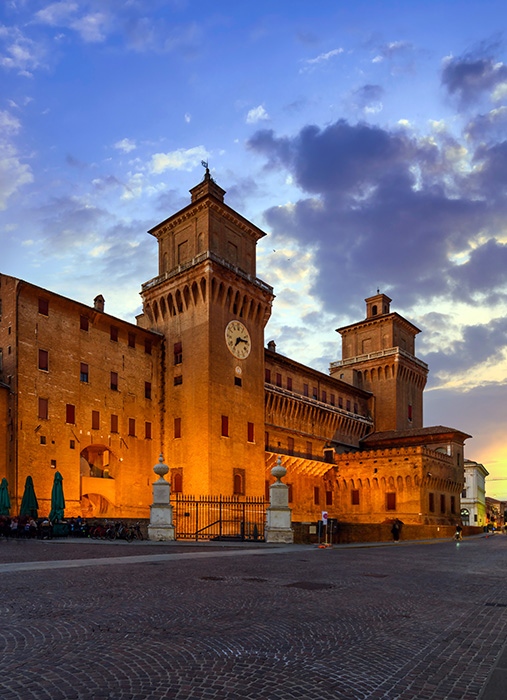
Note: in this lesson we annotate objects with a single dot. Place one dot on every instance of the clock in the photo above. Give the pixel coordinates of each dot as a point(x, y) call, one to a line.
point(238, 340)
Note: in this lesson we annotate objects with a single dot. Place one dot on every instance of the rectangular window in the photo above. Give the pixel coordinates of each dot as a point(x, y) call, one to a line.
point(147, 430)
point(44, 306)
point(113, 333)
point(114, 423)
point(305, 390)
point(250, 432)
point(453, 505)
point(131, 340)
point(390, 501)
point(442, 503)
point(309, 450)
point(42, 440)
point(70, 414)
point(329, 498)
point(178, 353)
point(348, 404)
point(177, 427)
point(267, 376)
point(132, 427)
point(238, 381)
point(44, 360)
point(340, 402)
point(278, 379)
point(95, 420)
point(315, 393)
point(84, 323)
point(354, 497)
point(53, 464)
point(289, 383)
point(114, 381)
point(147, 346)
point(464, 493)
point(323, 398)
point(178, 380)
point(316, 495)
point(332, 401)
point(72, 444)
point(83, 372)
point(355, 408)
point(290, 446)
point(431, 502)
point(43, 409)
point(147, 390)
point(225, 426)
point(410, 412)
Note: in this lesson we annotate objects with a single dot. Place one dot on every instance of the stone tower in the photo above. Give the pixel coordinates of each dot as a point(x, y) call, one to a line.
point(378, 354)
point(212, 310)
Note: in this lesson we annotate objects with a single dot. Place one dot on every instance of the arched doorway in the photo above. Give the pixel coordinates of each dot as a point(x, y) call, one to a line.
point(99, 468)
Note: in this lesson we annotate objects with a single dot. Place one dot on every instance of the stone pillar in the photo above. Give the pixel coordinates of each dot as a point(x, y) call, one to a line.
point(278, 516)
point(161, 528)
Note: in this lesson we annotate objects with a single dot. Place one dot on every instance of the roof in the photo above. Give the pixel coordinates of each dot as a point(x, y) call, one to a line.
point(415, 436)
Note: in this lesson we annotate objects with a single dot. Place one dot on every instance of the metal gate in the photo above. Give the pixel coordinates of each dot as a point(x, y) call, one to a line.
point(219, 518)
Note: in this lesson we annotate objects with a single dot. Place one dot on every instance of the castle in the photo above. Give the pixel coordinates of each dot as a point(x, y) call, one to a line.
point(98, 398)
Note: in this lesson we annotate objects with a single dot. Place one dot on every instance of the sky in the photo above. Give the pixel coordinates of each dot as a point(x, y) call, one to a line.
point(367, 139)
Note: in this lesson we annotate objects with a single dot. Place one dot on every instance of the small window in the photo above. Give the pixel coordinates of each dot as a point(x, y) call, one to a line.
point(84, 323)
point(239, 482)
point(113, 333)
point(132, 427)
point(53, 464)
point(390, 501)
point(316, 495)
point(70, 414)
point(267, 376)
point(332, 400)
point(83, 372)
point(178, 380)
point(177, 482)
point(340, 402)
point(463, 493)
point(147, 430)
point(289, 383)
point(177, 427)
point(95, 420)
point(43, 409)
point(278, 379)
point(238, 381)
point(305, 390)
point(442, 502)
point(453, 505)
point(42, 439)
point(114, 423)
point(250, 432)
point(354, 497)
point(178, 353)
point(44, 360)
point(315, 393)
point(44, 306)
point(147, 346)
point(431, 502)
point(329, 498)
point(72, 444)
point(348, 404)
point(225, 426)
point(323, 398)
point(410, 412)
point(114, 381)
point(355, 408)
point(131, 340)
point(147, 390)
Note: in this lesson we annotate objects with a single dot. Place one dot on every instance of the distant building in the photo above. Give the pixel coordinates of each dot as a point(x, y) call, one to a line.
point(99, 398)
point(473, 497)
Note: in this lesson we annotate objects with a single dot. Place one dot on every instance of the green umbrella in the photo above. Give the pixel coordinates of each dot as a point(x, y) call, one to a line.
point(5, 501)
point(57, 499)
point(29, 505)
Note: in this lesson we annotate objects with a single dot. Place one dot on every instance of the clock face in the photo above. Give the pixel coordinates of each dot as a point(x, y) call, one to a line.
point(238, 340)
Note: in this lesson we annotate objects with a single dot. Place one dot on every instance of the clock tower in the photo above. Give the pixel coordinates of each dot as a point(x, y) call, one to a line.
point(211, 309)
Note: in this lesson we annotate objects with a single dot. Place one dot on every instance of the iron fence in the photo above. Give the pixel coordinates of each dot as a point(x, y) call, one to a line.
point(219, 518)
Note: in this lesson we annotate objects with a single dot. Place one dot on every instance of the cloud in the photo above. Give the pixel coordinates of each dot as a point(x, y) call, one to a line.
point(392, 50)
point(321, 58)
point(181, 159)
point(368, 98)
point(125, 145)
point(470, 77)
point(257, 114)
point(18, 52)
point(13, 173)
point(93, 27)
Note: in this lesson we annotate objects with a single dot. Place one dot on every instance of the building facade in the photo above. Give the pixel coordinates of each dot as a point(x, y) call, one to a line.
point(99, 398)
point(473, 497)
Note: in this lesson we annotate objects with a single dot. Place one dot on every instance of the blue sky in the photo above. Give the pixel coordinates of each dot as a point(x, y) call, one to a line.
point(367, 139)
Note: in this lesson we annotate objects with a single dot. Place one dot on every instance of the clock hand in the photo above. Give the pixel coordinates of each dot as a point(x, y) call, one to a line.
point(239, 340)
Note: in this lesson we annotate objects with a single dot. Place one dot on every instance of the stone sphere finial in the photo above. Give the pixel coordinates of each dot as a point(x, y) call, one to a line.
point(279, 470)
point(161, 469)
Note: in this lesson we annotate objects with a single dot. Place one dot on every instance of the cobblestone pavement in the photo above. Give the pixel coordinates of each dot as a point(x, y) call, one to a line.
point(414, 621)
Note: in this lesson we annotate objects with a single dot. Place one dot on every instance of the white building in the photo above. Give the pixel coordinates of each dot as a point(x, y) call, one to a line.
point(473, 496)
